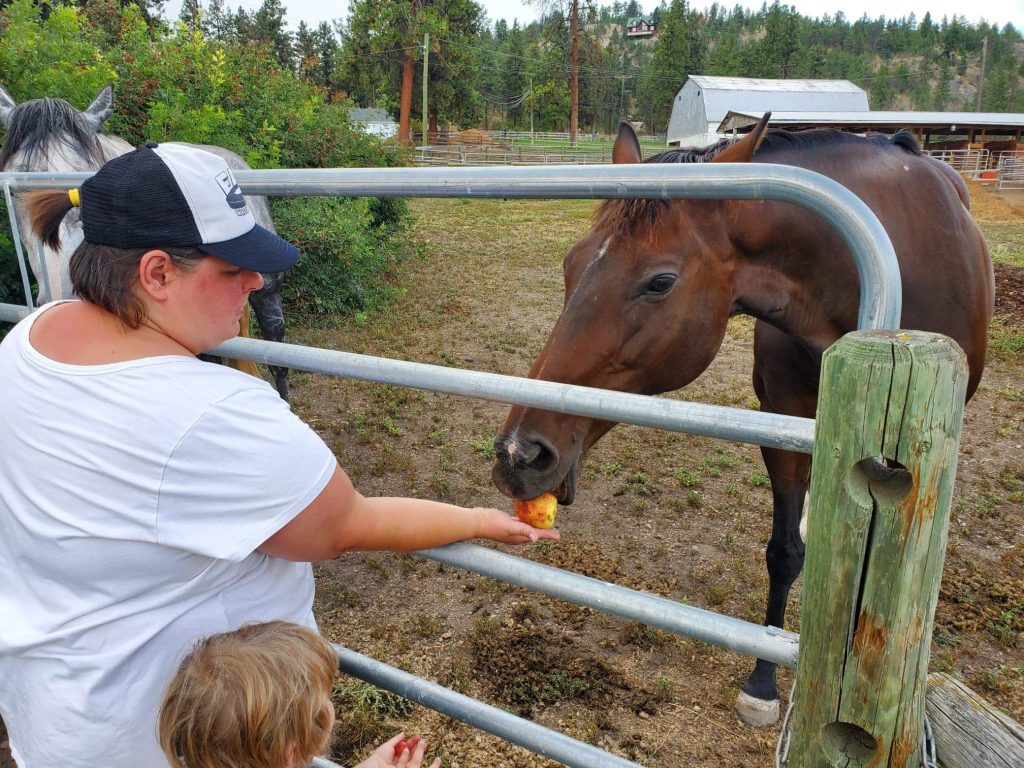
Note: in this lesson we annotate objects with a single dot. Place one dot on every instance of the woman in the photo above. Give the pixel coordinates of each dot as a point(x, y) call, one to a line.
point(148, 499)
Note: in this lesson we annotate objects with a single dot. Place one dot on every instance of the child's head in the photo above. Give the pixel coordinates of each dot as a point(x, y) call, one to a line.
point(258, 697)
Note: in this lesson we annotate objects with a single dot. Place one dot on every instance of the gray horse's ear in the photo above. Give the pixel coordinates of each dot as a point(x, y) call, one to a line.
point(101, 108)
point(627, 146)
point(7, 106)
point(742, 150)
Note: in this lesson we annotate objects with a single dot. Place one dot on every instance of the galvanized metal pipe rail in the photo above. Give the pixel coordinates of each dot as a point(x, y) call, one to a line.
point(536, 738)
point(791, 433)
point(761, 642)
point(880, 288)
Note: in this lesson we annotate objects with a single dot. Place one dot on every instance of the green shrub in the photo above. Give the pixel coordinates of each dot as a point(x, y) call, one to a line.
point(174, 84)
point(56, 56)
point(346, 262)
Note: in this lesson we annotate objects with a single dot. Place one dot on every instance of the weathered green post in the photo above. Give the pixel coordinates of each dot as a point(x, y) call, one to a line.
point(886, 438)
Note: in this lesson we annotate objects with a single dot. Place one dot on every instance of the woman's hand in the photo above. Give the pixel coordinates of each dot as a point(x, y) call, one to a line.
point(385, 755)
point(499, 526)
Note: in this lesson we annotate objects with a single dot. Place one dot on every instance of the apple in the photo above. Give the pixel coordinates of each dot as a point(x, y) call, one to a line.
point(539, 512)
point(409, 745)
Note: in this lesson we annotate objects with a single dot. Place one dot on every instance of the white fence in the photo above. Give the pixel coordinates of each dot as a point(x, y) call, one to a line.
point(1011, 170)
point(485, 155)
point(967, 162)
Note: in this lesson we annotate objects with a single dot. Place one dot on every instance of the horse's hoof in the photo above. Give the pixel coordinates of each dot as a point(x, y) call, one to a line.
point(757, 712)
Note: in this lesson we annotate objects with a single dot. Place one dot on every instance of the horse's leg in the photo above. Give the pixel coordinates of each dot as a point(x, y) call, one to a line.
point(758, 703)
point(266, 303)
point(785, 382)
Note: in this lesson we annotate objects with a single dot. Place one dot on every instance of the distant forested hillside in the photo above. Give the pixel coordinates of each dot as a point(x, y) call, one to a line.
point(905, 63)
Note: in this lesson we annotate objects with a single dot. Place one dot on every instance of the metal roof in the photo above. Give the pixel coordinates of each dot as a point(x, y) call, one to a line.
point(718, 83)
point(947, 121)
point(714, 97)
point(368, 115)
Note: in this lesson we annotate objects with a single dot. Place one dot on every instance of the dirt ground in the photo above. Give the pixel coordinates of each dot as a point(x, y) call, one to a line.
point(671, 514)
point(675, 515)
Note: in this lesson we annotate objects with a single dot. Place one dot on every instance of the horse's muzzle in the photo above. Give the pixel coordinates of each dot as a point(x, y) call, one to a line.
point(526, 468)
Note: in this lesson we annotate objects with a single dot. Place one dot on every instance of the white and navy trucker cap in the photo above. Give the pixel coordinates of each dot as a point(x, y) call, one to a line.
point(176, 195)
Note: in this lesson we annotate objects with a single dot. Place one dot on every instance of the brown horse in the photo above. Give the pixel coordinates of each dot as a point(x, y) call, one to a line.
point(649, 291)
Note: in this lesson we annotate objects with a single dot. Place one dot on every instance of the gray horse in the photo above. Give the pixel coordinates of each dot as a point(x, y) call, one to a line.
point(51, 135)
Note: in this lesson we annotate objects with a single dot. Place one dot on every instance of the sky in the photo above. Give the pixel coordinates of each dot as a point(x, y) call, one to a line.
point(1002, 12)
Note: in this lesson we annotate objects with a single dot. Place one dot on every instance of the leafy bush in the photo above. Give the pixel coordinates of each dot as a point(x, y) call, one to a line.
point(55, 56)
point(346, 261)
point(176, 84)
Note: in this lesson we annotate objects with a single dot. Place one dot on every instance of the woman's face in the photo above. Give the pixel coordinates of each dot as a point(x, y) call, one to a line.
point(210, 301)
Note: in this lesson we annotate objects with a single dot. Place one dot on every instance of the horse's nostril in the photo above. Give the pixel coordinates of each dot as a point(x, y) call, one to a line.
point(543, 456)
point(519, 453)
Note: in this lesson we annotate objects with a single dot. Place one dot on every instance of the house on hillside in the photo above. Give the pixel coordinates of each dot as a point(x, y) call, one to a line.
point(704, 101)
point(638, 26)
point(375, 122)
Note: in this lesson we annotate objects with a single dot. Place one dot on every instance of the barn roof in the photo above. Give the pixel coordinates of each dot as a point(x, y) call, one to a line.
point(720, 83)
point(368, 115)
point(722, 94)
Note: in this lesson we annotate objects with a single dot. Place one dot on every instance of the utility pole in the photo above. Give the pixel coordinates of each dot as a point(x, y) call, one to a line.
point(574, 116)
point(981, 80)
point(622, 96)
point(426, 53)
point(531, 108)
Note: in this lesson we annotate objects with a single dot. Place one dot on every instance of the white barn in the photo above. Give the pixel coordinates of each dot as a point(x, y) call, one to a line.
point(376, 122)
point(704, 101)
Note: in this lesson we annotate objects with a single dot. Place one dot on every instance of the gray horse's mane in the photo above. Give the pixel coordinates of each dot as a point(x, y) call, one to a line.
point(32, 126)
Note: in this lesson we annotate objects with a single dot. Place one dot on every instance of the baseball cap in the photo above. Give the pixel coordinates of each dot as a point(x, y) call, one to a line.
point(176, 195)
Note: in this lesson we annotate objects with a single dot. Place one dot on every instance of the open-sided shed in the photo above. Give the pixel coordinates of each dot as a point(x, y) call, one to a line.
point(704, 101)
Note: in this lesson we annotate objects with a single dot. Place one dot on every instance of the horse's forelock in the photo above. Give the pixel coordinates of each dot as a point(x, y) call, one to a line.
point(35, 126)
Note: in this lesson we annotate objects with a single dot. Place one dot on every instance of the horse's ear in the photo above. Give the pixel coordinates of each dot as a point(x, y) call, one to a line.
point(101, 108)
point(7, 106)
point(742, 150)
point(627, 146)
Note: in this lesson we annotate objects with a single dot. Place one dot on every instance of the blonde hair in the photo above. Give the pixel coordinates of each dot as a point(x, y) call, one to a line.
point(257, 697)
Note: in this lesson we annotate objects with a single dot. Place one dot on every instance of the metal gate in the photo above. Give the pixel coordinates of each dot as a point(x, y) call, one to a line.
point(880, 307)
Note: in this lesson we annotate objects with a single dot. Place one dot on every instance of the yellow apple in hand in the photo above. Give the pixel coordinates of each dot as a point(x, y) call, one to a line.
point(539, 512)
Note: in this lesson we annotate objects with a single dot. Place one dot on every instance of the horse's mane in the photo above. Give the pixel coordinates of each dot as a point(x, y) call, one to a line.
point(35, 124)
point(619, 215)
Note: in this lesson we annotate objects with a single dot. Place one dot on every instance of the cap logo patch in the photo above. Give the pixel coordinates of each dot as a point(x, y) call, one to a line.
point(232, 194)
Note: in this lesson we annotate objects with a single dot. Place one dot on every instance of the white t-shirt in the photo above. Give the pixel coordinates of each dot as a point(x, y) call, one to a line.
point(132, 498)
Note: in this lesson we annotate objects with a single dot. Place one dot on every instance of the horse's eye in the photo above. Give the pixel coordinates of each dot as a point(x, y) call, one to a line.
point(660, 284)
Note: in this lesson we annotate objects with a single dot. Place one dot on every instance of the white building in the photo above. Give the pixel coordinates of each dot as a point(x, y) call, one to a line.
point(375, 122)
point(704, 101)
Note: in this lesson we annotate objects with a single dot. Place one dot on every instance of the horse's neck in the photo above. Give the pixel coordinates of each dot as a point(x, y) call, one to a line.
point(788, 276)
point(113, 146)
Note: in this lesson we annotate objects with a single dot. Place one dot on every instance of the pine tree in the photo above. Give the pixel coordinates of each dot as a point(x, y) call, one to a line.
point(680, 50)
point(268, 27)
point(191, 14)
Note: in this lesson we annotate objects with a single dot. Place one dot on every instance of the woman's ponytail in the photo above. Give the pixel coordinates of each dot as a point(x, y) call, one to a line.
point(46, 210)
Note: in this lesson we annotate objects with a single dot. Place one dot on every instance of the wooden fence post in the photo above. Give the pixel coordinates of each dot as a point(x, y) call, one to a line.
point(887, 433)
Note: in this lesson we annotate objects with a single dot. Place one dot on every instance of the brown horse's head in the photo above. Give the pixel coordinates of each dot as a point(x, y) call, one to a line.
point(648, 294)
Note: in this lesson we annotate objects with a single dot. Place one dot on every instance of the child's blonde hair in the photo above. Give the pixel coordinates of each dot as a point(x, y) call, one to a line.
point(257, 697)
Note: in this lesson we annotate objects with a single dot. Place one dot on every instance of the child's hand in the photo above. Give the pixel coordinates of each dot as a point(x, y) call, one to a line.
point(392, 754)
point(499, 526)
